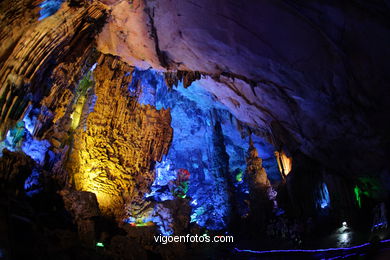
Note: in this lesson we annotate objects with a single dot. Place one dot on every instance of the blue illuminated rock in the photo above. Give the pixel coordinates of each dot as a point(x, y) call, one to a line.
point(49, 7)
point(206, 141)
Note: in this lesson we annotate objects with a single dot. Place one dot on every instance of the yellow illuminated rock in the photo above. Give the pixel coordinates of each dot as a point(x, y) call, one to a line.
point(113, 157)
point(284, 163)
point(41, 44)
point(257, 175)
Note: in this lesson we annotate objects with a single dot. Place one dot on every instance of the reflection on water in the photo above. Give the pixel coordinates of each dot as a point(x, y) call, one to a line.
point(344, 236)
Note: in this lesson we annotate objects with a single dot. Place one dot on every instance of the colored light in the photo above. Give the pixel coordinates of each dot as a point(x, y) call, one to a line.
point(99, 244)
point(142, 224)
point(196, 148)
point(239, 176)
point(371, 187)
point(84, 84)
point(302, 250)
point(284, 162)
point(357, 195)
point(48, 8)
point(324, 198)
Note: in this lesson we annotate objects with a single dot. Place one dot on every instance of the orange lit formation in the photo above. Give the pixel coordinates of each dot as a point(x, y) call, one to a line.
point(284, 163)
point(113, 156)
point(257, 175)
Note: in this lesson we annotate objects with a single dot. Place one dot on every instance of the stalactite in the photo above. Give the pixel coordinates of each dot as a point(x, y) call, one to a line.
point(173, 78)
point(284, 163)
point(16, 18)
point(113, 157)
point(42, 45)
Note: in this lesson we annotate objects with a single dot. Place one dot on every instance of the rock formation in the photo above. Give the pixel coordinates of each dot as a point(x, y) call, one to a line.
point(255, 172)
point(14, 170)
point(259, 202)
point(284, 163)
point(287, 67)
point(28, 62)
point(114, 156)
point(84, 208)
point(122, 119)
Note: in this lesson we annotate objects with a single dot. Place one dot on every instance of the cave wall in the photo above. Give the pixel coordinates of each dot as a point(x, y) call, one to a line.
point(208, 142)
point(309, 76)
point(113, 156)
point(312, 73)
point(308, 100)
point(60, 92)
point(305, 81)
point(26, 67)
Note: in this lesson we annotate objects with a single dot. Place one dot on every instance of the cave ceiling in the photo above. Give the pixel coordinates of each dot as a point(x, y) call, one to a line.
point(313, 74)
point(179, 114)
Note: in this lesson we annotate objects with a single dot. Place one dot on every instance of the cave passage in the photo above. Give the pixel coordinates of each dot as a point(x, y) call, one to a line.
point(178, 129)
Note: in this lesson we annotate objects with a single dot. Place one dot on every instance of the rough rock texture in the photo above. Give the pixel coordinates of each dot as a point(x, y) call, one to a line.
point(187, 77)
point(54, 121)
point(15, 167)
point(255, 172)
point(81, 204)
point(310, 76)
point(84, 207)
point(130, 35)
point(114, 156)
point(284, 163)
point(124, 138)
point(312, 73)
point(180, 210)
point(16, 18)
point(49, 59)
point(29, 61)
point(259, 203)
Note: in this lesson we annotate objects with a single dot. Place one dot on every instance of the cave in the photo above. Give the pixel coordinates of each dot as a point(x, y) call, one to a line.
point(183, 129)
